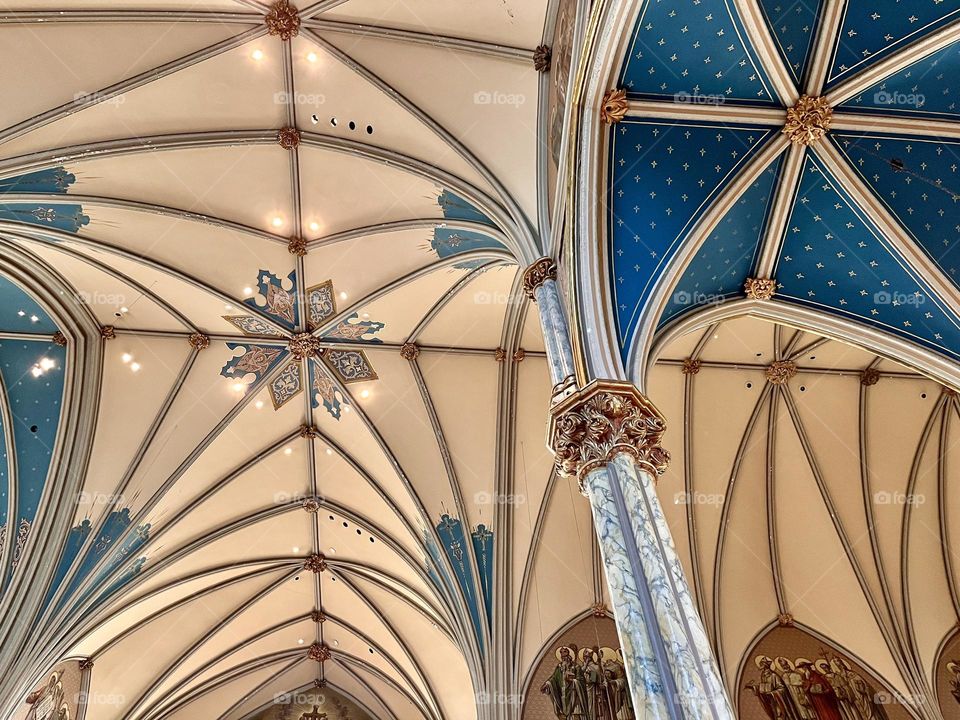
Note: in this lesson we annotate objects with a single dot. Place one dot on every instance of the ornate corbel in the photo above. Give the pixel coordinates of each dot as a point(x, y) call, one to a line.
point(537, 274)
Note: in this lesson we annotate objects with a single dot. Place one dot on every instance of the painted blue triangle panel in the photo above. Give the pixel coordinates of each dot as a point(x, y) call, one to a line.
point(693, 51)
point(924, 89)
point(34, 406)
point(66, 217)
point(793, 25)
point(870, 31)
point(724, 261)
point(663, 176)
point(20, 313)
point(919, 182)
point(835, 260)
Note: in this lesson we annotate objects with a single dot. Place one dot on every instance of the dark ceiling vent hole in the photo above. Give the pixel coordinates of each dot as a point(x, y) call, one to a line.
point(345, 524)
point(332, 518)
point(369, 129)
point(813, 357)
point(118, 314)
point(33, 428)
point(359, 533)
point(803, 388)
point(749, 385)
point(333, 122)
point(296, 577)
point(897, 164)
point(371, 650)
point(923, 395)
point(371, 539)
point(353, 125)
point(314, 118)
point(759, 354)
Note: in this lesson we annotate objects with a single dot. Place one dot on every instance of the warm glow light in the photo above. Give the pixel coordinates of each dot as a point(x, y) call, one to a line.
point(257, 54)
point(126, 357)
point(248, 291)
point(239, 387)
point(21, 313)
point(258, 404)
point(365, 393)
point(329, 451)
point(124, 309)
point(34, 318)
point(135, 366)
point(287, 451)
point(228, 307)
point(36, 371)
point(277, 222)
point(300, 641)
point(314, 226)
point(343, 296)
point(312, 57)
point(47, 363)
point(295, 549)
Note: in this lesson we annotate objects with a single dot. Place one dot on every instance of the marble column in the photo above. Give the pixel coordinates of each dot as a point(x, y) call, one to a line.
point(607, 435)
point(540, 285)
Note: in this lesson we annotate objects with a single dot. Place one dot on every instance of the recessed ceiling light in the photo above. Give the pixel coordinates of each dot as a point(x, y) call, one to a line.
point(288, 451)
point(257, 54)
point(239, 387)
point(248, 291)
point(312, 57)
point(343, 296)
point(21, 313)
point(277, 222)
point(332, 551)
point(314, 226)
point(47, 364)
point(126, 357)
point(228, 306)
point(135, 366)
point(34, 318)
point(258, 404)
point(329, 451)
point(299, 641)
point(364, 393)
point(295, 549)
point(124, 309)
point(36, 371)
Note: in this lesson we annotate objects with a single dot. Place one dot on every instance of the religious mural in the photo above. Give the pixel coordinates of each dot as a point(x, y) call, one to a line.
point(582, 677)
point(948, 677)
point(59, 696)
point(793, 676)
point(326, 704)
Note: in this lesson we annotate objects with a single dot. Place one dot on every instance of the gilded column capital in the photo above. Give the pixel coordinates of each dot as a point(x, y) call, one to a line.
point(537, 274)
point(600, 420)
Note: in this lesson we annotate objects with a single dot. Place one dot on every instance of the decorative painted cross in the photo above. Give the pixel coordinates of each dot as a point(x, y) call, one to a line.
point(315, 715)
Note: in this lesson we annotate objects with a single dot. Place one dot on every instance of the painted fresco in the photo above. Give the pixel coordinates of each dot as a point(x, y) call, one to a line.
point(59, 696)
point(791, 675)
point(581, 677)
point(948, 677)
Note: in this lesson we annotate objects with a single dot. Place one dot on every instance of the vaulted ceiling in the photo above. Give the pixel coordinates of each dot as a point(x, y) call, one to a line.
point(319, 416)
point(705, 191)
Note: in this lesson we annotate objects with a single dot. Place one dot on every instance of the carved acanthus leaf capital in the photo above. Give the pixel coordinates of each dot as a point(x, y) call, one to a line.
point(537, 274)
point(605, 418)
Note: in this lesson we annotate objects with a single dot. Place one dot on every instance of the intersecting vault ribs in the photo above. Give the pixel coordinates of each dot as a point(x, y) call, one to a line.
point(283, 20)
point(808, 120)
point(304, 345)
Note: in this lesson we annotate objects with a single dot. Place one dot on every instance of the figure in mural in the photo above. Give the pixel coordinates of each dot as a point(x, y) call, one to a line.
point(827, 688)
point(953, 667)
point(589, 684)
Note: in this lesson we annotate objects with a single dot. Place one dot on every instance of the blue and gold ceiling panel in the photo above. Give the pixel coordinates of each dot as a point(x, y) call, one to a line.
point(66, 217)
point(870, 31)
point(726, 258)
point(664, 175)
point(793, 26)
point(918, 180)
point(924, 88)
point(694, 51)
point(834, 259)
